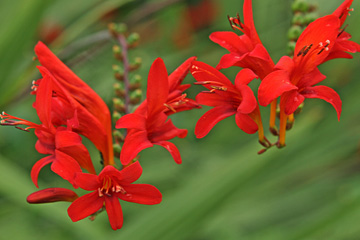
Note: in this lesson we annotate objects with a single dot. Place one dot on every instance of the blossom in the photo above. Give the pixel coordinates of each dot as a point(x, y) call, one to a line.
point(177, 100)
point(226, 98)
point(247, 50)
point(150, 125)
point(67, 153)
point(107, 188)
point(93, 116)
point(293, 78)
point(343, 45)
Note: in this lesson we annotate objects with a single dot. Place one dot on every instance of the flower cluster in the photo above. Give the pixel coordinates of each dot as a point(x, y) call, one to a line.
point(68, 109)
point(291, 79)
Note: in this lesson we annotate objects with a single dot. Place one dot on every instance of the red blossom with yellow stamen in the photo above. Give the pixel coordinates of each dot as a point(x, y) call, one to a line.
point(107, 188)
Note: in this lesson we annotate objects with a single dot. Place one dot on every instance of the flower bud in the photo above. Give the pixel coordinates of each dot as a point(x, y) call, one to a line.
point(49, 195)
point(294, 32)
point(133, 40)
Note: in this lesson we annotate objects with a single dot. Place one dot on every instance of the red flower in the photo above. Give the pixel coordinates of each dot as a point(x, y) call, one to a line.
point(246, 51)
point(226, 98)
point(176, 101)
point(342, 43)
point(109, 186)
point(93, 116)
point(294, 78)
point(64, 146)
point(149, 125)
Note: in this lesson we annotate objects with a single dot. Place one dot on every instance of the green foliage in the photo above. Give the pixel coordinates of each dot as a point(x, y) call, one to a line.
point(223, 189)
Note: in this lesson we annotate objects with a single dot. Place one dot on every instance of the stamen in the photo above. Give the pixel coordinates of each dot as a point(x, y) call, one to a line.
point(307, 50)
point(100, 193)
point(170, 107)
point(301, 51)
point(218, 88)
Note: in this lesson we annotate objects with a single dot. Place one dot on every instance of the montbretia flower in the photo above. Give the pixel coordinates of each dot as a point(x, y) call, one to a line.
point(294, 78)
point(67, 153)
point(246, 51)
point(150, 125)
point(93, 115)
point(177, 100)
point(227, 99)
point(343, 46)
point(107, 188)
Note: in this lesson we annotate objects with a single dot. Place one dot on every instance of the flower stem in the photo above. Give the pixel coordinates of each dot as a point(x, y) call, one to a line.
point(123, 43)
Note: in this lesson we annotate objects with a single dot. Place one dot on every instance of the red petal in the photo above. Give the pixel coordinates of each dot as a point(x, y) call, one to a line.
point(52, 195)
point(343, 11)
point(70, 143)
point(78, 88)
point(273, 85)
point(249, 22)
point(233, 59)
point(65, 166)
point(244, 77)
point(114, 211)
point(166, 132)
point(248, 103)
point(325, 93)
point(127, 175)
point(321, 30)
point(311, 79)
point(246, 123)
point(157, 88)
point(132, 120)
point(212, 99)
point(87, 181)
point(38, 166)
point(172, 150)
point(285, 63)
point(141, 193)
point(230, 41)
point(211, 118)
point(43, 98)
point(134, 143)
point(291, 101)
point(84, 206)
point(177, 76)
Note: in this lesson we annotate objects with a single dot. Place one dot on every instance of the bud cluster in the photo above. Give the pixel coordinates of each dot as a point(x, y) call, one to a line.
point(127, 88)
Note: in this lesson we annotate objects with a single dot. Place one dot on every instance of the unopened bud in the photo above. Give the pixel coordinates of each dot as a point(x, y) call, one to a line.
point(117, 147)
point(299, 109)
point(119, 90)
point(294, 32)
point(310, 17)
point(298, 19)
point(135, 64)
point(119, 105)
point(300, 6)
point(117, 52)
point(133, 40)
point(290, 48)
point(119, 137)
point(116, 116)
point(118, 72)
point(135, 96)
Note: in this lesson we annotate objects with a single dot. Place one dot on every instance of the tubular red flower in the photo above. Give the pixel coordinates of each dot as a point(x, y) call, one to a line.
point(109, 186)
point(246, 51)
point(93, 114)
point(149, 124)
point(226, 98)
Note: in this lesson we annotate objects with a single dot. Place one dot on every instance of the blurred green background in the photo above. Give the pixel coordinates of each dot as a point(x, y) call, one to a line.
point(223, 189)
